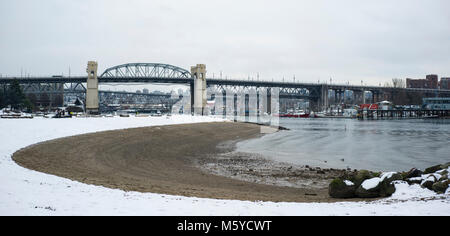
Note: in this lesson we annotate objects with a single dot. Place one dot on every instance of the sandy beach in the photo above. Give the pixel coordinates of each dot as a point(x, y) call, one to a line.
point(177, 160)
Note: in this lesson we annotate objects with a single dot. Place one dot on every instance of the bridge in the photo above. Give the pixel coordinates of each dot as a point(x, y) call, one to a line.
point(317, 94)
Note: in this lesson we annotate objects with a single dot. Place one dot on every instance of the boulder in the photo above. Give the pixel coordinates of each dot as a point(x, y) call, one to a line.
point(414, 180)
point(440, 187)
point(444, 177)
point(382, 186)
point(339, 188)
point(413, 173)
point(432, 169)
point(361, 176)
point(391, 176)
point(387, 187)
point(428, 182)
point(370, 188)
point(445, 166)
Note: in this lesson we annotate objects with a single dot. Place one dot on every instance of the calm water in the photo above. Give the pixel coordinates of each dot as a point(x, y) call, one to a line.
point(382, 145)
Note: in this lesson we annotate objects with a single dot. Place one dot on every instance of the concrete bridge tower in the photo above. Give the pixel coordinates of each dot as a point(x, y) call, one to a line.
point(198, 90)
point(92, 89)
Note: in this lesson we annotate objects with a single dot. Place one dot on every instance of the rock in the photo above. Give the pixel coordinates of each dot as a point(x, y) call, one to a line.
point(432, 169)
point(413, 173)
point(363, 191)
point(339, 189)
point(428, 182)
point(444, 177)
point(443, 172)
point(445, 166)
point(378, 186)
point(387, 187)
point(440, 187)
point(414, 180)
point(361, 176)
point(390, 177)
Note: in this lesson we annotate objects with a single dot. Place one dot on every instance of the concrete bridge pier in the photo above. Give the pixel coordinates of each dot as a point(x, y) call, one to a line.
point(324, 103)
point(319, 99)
point(357, 97)
point(198, 89)
point(336, 100)
point(92, 106)
point(269, 101)
point(258, 108)
point(224, 103)
point(376, 95)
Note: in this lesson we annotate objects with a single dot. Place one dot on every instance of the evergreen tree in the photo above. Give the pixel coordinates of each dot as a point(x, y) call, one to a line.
point(16, 98)
point(15, 95)
point(2, 99)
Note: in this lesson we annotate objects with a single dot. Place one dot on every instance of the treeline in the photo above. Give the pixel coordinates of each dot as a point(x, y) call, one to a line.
point(12, 96)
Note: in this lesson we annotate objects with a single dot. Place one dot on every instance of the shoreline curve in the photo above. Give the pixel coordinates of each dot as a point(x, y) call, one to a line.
point(158, 159)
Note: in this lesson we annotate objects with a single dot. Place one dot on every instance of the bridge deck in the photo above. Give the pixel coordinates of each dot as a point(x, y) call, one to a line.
point(223, 82)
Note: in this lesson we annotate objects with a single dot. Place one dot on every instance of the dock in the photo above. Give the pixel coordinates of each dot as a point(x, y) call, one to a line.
point(409, 113)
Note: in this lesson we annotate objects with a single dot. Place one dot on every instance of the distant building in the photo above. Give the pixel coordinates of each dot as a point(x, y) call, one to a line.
point(444, 83)
point(431, 82)
point(436, 103)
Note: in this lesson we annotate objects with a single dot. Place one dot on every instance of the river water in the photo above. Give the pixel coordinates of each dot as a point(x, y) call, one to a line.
point(378, 145)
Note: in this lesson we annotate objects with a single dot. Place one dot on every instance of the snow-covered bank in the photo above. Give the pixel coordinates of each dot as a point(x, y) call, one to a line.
point(26, 192)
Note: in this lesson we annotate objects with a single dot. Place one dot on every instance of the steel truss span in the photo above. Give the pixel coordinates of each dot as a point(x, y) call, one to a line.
point(146, 70)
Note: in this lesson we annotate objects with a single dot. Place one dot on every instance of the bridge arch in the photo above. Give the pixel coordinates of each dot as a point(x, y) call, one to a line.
point(146, 70)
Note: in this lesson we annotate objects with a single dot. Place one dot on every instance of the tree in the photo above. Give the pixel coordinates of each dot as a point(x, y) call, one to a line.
point(16, 98)
point(2, 99)
point(15, 95)
point(398, 83)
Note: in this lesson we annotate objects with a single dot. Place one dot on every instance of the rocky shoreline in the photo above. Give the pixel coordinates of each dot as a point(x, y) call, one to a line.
point(256, 168)
point(367, 184)
point(339, 183)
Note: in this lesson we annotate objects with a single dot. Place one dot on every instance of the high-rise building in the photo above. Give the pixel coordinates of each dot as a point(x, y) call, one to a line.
point(431, 82)
point(444, 83)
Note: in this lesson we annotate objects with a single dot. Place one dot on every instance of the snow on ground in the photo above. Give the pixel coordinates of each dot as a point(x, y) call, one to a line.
point(27, 192)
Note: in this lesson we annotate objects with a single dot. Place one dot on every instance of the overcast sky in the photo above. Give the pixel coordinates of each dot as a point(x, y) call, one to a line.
point(345, 40)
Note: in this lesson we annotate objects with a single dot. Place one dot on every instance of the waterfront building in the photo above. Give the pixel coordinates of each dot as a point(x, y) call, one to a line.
point(430, 82)
point(436, 103)
point(444, 83)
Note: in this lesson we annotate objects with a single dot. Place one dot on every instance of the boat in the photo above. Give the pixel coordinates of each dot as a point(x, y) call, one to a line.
point(300, 114)
point(319, 115)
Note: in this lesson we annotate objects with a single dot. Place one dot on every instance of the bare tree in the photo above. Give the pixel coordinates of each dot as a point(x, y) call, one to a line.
point(398, 83)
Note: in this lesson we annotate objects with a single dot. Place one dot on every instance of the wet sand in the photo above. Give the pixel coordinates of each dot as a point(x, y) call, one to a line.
point(195, 160)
